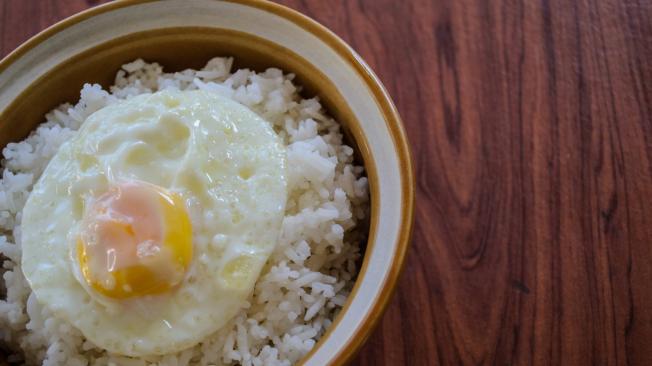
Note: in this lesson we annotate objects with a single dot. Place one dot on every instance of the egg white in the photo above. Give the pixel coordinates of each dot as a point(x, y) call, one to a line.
point(228, 165)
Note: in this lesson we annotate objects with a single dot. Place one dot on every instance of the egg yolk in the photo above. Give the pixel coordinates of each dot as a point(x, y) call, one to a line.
point(135, 240)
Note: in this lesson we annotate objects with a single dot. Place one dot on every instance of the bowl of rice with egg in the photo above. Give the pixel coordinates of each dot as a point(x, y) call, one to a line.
point(206, 183)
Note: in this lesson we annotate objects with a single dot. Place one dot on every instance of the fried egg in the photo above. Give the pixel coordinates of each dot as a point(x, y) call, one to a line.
point(149, 228)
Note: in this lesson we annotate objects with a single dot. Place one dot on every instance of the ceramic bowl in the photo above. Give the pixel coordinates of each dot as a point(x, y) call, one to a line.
point(90, 47)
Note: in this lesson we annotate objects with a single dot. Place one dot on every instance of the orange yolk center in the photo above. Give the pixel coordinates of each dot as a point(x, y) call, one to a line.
point(136, 239)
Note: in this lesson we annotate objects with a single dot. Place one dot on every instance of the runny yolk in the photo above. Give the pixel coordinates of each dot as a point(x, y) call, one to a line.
point(136, 239)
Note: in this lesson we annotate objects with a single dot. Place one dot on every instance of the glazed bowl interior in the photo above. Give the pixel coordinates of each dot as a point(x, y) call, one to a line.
point(51, 68)
point(193, 47)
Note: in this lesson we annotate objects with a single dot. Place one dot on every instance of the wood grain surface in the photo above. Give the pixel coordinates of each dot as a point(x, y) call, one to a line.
point(531, 128)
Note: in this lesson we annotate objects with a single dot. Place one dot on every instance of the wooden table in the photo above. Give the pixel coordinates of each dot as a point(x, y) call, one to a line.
point(531, 128)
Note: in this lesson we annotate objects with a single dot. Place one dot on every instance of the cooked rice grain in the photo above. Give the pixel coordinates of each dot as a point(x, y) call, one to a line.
point(309, 275)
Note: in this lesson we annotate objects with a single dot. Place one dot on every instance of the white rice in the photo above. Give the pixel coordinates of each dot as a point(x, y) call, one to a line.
point(309, 275)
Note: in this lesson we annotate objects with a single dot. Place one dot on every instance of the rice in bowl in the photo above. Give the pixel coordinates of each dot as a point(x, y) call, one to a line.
point(306, 280)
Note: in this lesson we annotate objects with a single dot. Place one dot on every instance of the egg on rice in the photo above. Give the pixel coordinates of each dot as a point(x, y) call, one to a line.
point(197, 217)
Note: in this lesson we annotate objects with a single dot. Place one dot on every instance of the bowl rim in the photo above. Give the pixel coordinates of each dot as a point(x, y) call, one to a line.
point(392, 119)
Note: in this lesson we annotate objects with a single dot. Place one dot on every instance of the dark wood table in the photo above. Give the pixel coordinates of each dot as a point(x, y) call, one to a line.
point(531, 128)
